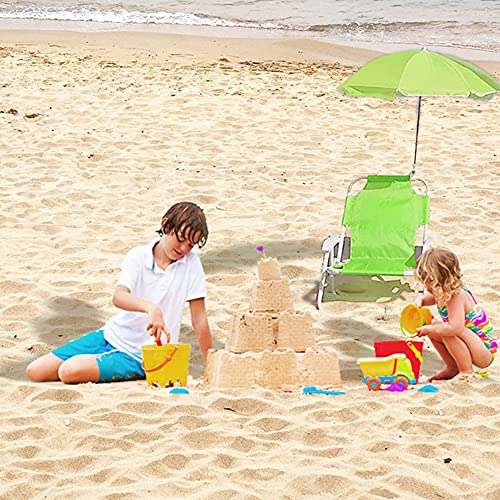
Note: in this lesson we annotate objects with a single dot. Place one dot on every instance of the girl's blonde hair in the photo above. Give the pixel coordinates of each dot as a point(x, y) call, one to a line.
point(438, 270)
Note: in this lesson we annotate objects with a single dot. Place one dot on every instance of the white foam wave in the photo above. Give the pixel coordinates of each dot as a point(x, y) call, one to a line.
point(83, 14)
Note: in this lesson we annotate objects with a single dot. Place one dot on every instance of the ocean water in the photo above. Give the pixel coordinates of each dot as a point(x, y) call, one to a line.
point(467, 24)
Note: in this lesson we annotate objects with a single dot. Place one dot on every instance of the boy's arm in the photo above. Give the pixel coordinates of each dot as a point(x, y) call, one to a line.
point(199, 321)
point(124, 299)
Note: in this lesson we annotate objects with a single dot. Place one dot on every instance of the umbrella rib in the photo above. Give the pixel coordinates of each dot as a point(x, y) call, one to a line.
point(452, 68)
point(402, 71)
point(451, 62)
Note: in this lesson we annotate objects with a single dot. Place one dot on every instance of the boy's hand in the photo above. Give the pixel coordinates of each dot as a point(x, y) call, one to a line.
point(156, 324)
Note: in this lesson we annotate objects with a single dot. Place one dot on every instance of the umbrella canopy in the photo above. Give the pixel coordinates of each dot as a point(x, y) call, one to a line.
point(418, 73)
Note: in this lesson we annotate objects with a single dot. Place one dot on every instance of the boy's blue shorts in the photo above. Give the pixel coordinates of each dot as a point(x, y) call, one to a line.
point(114, 365)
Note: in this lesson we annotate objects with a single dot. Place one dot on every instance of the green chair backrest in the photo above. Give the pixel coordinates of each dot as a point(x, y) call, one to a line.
point(384, 218)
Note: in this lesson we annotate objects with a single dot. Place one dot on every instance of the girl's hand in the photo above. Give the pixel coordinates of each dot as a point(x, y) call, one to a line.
point(156, 324)
point(424, 330)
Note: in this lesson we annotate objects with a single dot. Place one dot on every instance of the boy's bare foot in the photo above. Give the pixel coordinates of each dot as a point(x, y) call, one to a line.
point(445, 374)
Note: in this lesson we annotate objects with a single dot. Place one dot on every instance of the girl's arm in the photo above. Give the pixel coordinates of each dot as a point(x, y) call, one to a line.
point(425, 300)
point(124, 299)
point(199, 321)
point(455, 323)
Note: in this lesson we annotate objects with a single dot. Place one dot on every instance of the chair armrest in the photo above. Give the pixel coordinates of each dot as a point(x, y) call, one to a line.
point(330, 242)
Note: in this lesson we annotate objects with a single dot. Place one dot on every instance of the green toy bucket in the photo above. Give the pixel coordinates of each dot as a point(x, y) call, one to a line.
point(166, 365)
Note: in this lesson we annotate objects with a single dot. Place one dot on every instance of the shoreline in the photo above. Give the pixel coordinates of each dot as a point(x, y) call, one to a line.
point(260, 48)
point(240, 32)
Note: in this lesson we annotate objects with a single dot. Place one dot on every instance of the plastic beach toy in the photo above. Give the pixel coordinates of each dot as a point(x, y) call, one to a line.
point(428, 388)
point(178, 390)
point(312, 389)
point(412, 348)
point(413, 317)
point(396, 388)
point(393, 369)
point(166, 365)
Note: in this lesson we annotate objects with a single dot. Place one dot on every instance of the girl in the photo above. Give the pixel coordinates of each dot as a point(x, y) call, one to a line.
point(465, 336)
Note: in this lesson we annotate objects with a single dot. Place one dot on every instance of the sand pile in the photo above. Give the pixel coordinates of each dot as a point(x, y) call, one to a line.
point(272, 345)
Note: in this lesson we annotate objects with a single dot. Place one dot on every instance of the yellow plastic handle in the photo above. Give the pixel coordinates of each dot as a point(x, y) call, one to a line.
point(415, 351)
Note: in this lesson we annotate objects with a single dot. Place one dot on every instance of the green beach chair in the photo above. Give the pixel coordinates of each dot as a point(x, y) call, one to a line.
point(377, 242)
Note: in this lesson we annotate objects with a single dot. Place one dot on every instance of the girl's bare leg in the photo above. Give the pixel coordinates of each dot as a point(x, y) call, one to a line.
point(479, 353)
point(450, 369)
point(44, 369)
point(459, 353)
point(79, 369)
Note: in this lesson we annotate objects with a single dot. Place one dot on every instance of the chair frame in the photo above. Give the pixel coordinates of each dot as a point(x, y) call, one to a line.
point(337, 248)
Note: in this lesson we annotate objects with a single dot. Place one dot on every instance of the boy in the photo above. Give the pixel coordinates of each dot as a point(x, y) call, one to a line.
point(156, 281)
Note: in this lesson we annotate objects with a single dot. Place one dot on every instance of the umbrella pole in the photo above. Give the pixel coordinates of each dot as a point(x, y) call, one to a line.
point(416, 136)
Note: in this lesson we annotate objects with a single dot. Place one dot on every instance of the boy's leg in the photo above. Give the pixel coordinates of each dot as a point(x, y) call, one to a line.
point(112, 366)
point(79, 369)
point(87, 359)
point(48, 367)
point(44, 369)
point(116, 366)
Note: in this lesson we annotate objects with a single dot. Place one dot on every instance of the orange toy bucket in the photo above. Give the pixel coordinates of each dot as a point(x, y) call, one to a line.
point(413, 317)
point(166, 365)
point(412, 348)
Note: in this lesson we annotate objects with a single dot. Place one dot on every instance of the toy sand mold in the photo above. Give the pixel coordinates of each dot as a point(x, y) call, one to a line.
point(166, 365)
point(413, 317)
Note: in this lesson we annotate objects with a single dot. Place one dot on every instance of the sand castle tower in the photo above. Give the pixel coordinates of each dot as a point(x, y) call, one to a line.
point(272, 345)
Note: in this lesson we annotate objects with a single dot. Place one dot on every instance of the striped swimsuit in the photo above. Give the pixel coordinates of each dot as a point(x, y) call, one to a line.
point(476, 321)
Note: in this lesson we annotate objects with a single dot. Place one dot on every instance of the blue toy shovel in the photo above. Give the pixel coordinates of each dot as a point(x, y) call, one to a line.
point(312, 389)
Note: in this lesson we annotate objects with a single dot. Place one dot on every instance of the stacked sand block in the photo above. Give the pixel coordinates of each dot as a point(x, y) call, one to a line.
point(256, 331)
point(283, 370)
point(295, 331)
point(251, 331)
point(272, 345)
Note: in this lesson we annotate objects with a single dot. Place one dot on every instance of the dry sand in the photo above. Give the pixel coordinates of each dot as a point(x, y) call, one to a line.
point(99, 135)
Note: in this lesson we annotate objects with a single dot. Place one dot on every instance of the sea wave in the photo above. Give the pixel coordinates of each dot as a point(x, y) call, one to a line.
point(84, 14)
point(475, 34)
point(401, 25)
point(480, 35)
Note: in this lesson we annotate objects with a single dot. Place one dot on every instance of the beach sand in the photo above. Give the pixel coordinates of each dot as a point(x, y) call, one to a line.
point(100, 133)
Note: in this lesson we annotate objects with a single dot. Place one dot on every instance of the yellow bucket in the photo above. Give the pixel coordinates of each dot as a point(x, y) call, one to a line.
point(166, 365)
point(413, 317)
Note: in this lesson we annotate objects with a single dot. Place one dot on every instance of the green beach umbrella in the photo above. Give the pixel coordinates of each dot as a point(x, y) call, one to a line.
point(419, 73)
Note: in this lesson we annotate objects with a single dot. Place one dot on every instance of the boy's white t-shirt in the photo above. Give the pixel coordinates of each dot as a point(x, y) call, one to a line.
point(181, 281)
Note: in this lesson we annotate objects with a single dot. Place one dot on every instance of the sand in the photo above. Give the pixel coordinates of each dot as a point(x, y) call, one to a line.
point(99, 134)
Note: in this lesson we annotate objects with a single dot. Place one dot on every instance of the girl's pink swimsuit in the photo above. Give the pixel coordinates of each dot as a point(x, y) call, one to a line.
point(476, 321)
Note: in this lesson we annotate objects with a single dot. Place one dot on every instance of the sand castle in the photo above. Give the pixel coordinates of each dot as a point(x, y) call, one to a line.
point(272, 345)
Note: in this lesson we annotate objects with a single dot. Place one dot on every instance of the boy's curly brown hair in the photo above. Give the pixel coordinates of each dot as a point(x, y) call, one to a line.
point(438, 270)
point(187, 221)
